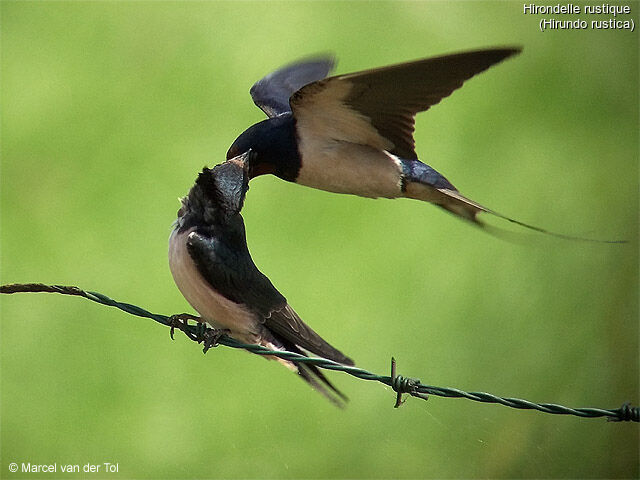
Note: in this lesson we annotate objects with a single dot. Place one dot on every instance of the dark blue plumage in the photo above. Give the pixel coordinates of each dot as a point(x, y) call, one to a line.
point(416, 171)
point(274, 146)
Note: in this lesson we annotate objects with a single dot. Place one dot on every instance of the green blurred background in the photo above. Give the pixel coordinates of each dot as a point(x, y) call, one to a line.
point(110, 109)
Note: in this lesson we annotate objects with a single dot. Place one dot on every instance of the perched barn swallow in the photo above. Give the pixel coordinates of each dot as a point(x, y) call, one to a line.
point(353, 133)
point(212, 267)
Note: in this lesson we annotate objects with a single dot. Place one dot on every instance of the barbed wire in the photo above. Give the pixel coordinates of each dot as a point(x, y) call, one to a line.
point(200, 333)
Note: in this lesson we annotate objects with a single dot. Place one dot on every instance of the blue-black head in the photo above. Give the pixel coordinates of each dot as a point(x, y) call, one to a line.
point(274, 145)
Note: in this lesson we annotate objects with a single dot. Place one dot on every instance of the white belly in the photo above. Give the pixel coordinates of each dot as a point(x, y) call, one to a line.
point(215, 309)
point(343, 167)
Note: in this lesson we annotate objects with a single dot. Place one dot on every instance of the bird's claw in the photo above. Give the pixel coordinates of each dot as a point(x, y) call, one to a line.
point(211, 337)
point(181, 322)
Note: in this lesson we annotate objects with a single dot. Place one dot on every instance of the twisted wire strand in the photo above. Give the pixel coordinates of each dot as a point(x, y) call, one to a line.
point(401, 385)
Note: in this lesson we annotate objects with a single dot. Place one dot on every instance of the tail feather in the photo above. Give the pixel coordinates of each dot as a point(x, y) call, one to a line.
point(314, 377)
point(309, 373)
point(422, 182)
point(469, 210)
point(451, 200)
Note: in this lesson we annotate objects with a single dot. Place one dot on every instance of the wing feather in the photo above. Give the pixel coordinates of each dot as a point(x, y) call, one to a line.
point(285, 322)
point(271, 93)
point(387, 99)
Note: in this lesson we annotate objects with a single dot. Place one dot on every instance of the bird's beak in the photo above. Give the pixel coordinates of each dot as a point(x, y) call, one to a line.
point(244, 159)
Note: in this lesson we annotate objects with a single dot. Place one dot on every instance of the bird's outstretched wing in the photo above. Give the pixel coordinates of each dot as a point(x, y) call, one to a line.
point(377, 107)
point(234, 275)
point(272, 92)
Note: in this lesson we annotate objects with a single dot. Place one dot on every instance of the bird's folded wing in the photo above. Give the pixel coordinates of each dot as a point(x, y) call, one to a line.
point(377, 107)
point(286, 323)
point(272, 92)
point(233, 274)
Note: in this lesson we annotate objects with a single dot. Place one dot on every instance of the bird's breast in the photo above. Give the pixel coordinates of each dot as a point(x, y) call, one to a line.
point(343, 167)
point(217, 310)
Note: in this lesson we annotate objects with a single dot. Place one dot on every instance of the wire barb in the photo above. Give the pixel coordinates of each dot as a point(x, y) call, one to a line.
point(626, 413)
point(399, 384)
point(404, 385)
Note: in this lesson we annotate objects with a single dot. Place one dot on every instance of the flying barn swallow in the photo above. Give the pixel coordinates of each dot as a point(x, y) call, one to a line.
point(353, 133)
point(212, 267)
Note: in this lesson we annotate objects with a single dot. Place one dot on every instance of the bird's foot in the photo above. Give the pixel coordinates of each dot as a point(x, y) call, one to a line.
point(211, 337)
point(181, 322)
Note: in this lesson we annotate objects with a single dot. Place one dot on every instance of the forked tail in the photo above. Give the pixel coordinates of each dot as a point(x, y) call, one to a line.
point(422, 182)
point(468, 209)
point(313, 376)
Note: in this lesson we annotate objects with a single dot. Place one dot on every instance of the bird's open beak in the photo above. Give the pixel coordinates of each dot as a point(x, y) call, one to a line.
point(244, 159)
